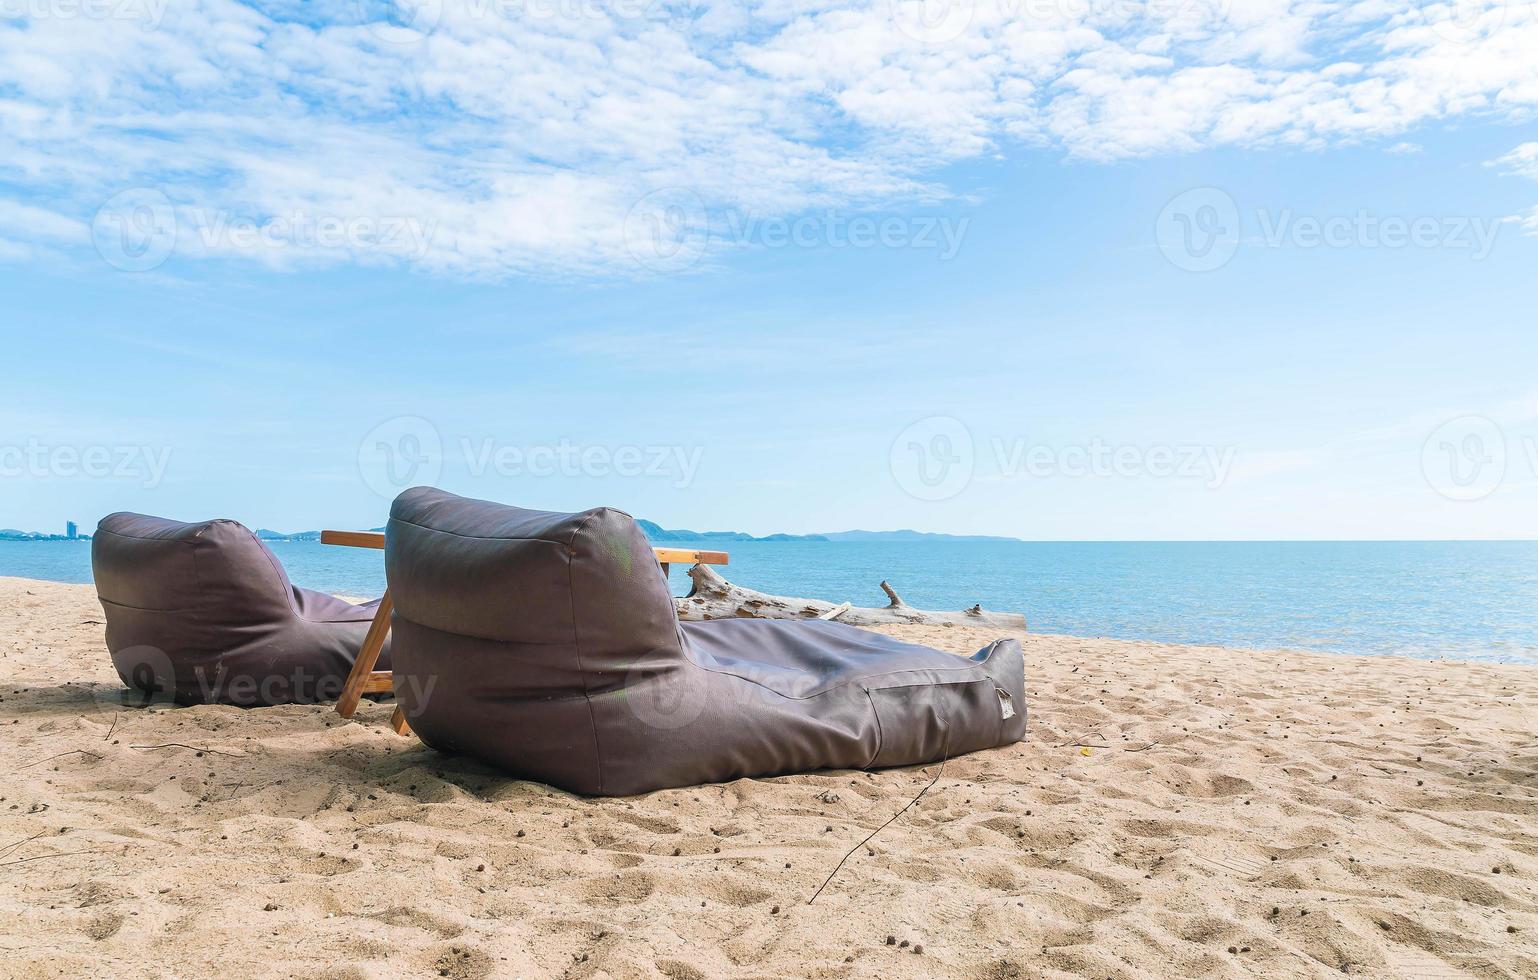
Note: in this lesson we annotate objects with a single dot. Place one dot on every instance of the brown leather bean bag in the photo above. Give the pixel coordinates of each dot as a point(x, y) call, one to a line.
point(547, 645)
point(203, 613)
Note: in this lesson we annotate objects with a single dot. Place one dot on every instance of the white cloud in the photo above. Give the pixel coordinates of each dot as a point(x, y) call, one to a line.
point(27, 222)
point(1521, 162)
point(522, 133)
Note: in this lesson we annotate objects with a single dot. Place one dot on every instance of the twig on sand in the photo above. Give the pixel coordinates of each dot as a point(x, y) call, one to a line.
point(115, 716)
point(60, 756)
point(40, 857)
point(927, 786)
point(10, 848)
point(1092, 745)
point(195, 748)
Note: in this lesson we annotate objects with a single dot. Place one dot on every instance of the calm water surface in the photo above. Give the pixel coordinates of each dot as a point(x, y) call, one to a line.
point(1465, 600)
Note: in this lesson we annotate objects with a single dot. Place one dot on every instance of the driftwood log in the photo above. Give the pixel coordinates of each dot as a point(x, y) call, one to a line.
point(713, 597)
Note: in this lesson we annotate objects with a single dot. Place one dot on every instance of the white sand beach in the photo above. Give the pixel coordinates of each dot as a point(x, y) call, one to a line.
point(1174, 811)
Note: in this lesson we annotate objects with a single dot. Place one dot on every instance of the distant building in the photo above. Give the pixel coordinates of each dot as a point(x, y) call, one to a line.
point(71, 531)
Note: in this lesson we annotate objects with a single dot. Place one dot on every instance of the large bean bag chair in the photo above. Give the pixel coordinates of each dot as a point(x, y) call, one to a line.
point(547, 645)
point(204, 613)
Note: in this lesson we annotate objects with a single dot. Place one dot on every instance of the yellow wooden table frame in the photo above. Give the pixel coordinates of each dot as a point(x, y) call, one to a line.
point(364, 679)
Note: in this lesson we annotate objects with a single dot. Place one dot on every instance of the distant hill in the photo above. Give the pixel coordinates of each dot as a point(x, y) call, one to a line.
point(906, 535)
point(656, 532)
point(267, 535)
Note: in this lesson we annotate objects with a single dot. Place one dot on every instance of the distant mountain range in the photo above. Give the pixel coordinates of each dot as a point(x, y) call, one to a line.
point(658, 533)
point(654, 532)
point(267, 535)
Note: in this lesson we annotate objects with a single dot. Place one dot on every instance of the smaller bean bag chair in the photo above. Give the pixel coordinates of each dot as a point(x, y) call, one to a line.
point(204, 613)
point(548, 646)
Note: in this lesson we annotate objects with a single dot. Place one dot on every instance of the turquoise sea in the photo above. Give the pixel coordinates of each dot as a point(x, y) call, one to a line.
point(1460, 600)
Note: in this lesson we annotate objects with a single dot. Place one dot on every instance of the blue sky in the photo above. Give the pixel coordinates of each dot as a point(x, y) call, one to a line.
point(593, 257)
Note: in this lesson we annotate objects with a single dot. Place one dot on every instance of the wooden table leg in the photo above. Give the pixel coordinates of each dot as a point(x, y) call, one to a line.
point(399, 723)
point(362, 678)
